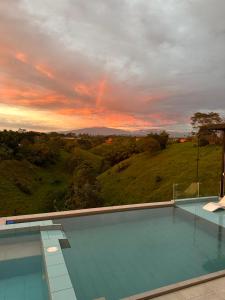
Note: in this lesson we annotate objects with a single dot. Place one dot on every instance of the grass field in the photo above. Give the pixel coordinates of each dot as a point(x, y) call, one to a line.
point(146, 178)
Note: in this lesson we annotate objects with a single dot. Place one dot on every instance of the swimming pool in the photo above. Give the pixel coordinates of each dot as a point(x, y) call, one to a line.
point(21, 268)
point(120, 254)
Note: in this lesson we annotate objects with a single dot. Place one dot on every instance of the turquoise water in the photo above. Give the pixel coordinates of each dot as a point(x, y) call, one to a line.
point(121, 254)
point(195, 207)
point(21, 278)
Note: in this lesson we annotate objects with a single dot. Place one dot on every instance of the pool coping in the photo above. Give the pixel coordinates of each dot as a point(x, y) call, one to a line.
point(165, 290)
point(85, 212)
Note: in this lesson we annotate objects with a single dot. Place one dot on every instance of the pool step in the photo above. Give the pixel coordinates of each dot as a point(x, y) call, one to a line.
point(19, 249)
point(58, 279)
point(29, 227)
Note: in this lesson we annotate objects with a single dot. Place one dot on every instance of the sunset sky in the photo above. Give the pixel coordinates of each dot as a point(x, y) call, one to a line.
point(131, 64)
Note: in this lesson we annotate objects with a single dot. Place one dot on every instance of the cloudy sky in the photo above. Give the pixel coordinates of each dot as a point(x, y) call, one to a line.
point(118, 63)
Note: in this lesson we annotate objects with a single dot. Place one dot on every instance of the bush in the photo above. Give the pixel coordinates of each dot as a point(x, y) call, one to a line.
point(84, 192)
point(148, 144)
point(122, 166)
point(5, 153)
point(57, 198)
point(162, 138)
point(158, 179)
point(23, 186)
point(119, 150)
point(40, 154)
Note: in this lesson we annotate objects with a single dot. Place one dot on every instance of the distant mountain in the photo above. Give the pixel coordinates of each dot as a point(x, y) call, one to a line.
point(100, 131)
point(105, 131)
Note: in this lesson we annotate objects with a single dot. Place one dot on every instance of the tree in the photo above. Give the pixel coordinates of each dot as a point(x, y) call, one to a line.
point(85, 190)
point(162, 138)
point(201, 119)
point(148, 144)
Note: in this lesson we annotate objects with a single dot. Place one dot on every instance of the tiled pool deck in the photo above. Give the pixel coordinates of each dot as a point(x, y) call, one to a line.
point(59, 283)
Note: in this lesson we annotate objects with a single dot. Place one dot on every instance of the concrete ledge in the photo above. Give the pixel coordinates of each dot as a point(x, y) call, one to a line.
point(86, 212)
point(29, 227)
point(176, 287)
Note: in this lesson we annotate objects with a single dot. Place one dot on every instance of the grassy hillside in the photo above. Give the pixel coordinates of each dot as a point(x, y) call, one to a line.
point(81, 156)
point(144, 178)
point(25, 188)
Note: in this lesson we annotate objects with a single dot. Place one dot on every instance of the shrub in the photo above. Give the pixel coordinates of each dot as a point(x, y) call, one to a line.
point(122, 166)
point(23, 186)
point(148, 144)
point(158, 179)
point(162, 138)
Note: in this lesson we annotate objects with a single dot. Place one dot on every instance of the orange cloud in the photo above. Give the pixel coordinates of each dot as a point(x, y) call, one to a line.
point(92, 101)
point(12, 92)
point(76, 111)
point(83, 89)
point(105, 117)
point(44, 70)
point(21, 57)
point(100, 92)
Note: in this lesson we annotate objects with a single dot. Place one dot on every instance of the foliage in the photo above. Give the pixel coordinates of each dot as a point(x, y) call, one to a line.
point(84, 191)
point(23, 185)
point(161, 138)
point(38, 148)
point(201, 119)
point(148, 144)
point(39, 153)
point(84, 143)
point(206, 136)
point(122, 148)
point(79, 156)
point(122, 166)
point(45, 172)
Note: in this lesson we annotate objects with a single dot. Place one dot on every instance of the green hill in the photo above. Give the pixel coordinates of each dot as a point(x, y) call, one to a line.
point(146, 178)
point(80, 156)
point(25, 188)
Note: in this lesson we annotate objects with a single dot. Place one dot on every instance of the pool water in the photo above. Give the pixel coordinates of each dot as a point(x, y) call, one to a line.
point(196, 208)
point(21, 268)
point(22, 279)
point(117, 255)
